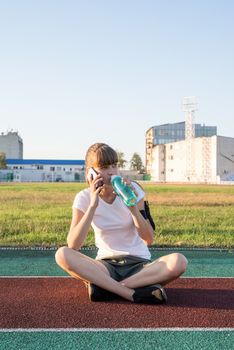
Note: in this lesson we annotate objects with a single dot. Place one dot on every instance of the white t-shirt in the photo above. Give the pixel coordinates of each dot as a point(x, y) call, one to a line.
point(115, 232)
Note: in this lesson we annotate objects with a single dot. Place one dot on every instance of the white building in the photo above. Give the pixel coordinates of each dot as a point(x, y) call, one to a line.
point(169, 133)
point(45, 170)
point(212, 160)
point(12, 145)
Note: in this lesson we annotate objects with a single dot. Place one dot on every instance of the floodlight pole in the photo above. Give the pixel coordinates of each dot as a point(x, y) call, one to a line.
point(189, 107)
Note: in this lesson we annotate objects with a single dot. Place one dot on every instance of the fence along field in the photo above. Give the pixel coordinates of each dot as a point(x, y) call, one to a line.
point(39, 214)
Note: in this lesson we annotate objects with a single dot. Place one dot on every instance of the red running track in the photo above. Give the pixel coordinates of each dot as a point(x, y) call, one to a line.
point(63, 303)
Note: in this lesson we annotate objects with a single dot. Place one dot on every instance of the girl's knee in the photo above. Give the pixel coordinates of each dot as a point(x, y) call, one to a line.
point(183, 262)
point(61, 256)
point(178, 263)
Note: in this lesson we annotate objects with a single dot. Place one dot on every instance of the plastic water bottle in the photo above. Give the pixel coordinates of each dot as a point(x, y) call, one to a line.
point(123, 190)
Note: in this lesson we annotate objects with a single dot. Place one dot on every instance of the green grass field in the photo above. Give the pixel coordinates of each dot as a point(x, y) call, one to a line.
point(185, 215)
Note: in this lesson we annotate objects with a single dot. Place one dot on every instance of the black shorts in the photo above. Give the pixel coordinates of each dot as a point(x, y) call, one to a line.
point(121, 267)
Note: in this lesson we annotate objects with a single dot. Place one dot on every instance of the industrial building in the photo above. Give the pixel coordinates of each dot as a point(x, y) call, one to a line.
point(35, 170)
point(11, 144)
point(212, 161)
point(173, 132)
point(43, 170)
point(169, 133)
point(188, 152)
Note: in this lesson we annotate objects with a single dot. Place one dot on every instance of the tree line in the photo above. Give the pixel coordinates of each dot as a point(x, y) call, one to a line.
point(135, 162)
point(3, 164)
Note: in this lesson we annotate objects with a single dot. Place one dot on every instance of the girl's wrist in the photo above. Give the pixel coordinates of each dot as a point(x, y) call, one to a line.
point(92, 207)
point(134, 209)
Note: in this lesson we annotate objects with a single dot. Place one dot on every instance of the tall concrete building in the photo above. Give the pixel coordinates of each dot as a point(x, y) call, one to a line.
point(213, 159)
point(12, 145)
point(210, 157)
point(168, 133)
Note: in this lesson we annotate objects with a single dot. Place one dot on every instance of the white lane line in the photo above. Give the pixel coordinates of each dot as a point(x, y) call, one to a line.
point(170, 329)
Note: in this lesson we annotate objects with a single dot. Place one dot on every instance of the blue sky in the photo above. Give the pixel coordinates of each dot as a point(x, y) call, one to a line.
point(77, 72)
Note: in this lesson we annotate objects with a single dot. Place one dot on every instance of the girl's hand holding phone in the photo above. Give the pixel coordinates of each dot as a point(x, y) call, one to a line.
point(96, 184)
point(92, 175)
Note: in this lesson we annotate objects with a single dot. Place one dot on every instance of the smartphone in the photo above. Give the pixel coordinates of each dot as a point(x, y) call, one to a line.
point(92, 174)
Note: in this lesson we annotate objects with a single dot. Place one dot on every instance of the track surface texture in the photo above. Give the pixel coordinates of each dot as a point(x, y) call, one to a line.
point(63, 303)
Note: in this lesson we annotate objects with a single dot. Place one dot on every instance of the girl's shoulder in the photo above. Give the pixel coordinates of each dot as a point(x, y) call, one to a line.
point(83, 193)
point(82, 199)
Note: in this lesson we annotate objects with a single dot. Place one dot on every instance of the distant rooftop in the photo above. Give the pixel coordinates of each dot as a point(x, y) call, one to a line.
point(11, 133)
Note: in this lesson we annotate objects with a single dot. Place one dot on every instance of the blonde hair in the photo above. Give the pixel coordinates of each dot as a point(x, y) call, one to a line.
point(100, 155)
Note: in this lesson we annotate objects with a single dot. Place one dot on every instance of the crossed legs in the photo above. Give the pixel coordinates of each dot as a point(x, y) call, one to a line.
point(81, 266)
point(160, 271)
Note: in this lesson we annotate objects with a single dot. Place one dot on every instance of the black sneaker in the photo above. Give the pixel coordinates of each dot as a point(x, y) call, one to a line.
point(99, 294)
point(154, 294)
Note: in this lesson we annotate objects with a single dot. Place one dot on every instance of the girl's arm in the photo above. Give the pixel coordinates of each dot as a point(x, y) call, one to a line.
point(81, 221)
point(79, 228)
point(143, 225)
